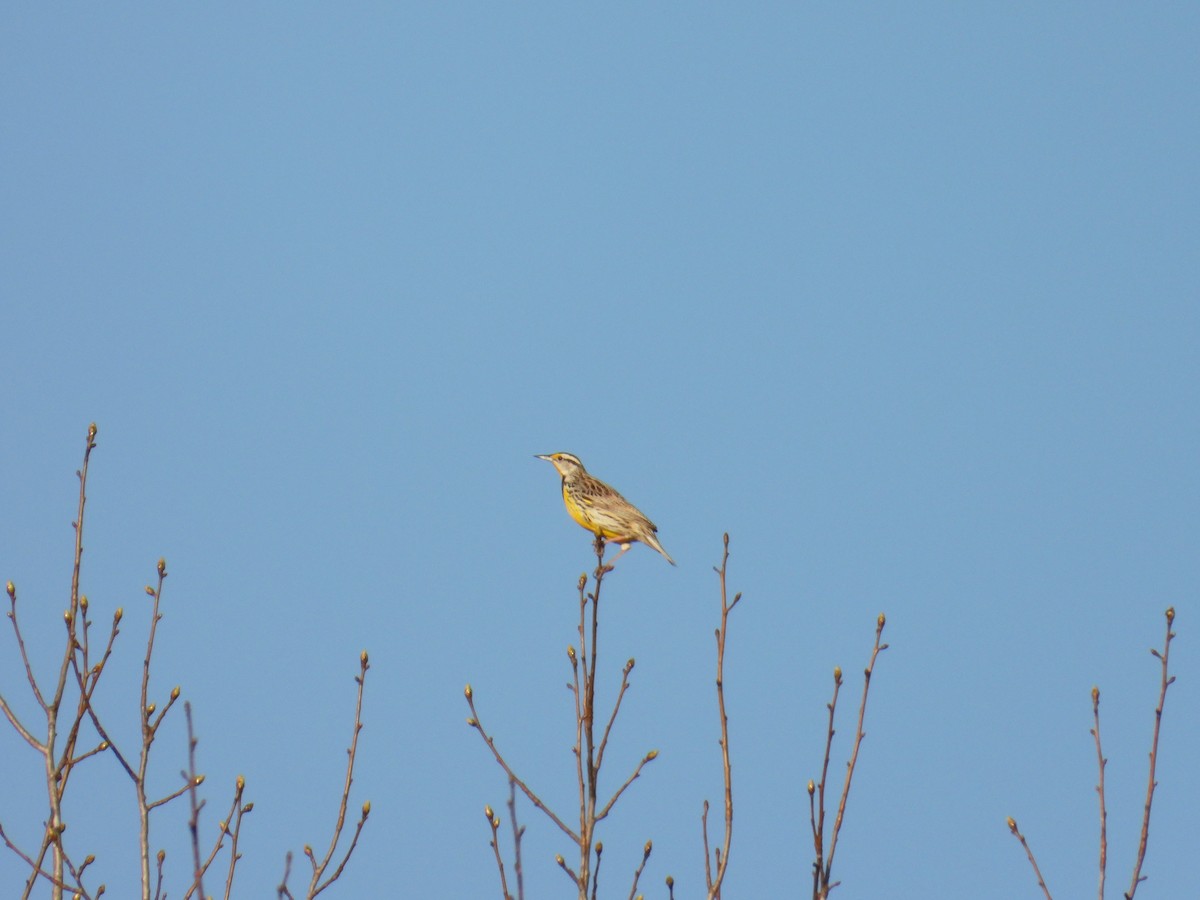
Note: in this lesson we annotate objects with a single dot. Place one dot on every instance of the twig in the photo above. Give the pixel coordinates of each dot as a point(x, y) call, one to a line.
point(242, 810)
point(818, 825)
point(193, 781)
point(589, 755)
point(1012, 826)
point(518, 833)
point(596, 869)
point(158, 883)
point(823, 865)
point(722, 855)
point(562, 864)
point(236, 811)
point(36, 869)
point(649, 757)
point(316, 885)
point(493, 821)
point(616, 708)
point(587, 811)
point(1101, 762)
point(642, 865)
point(858, 739)
point(111, 745)
point(4, 707)
point(282, 891)
point(37, 693)
point(475, 723)
point(1167, 680)
point(54, 780)
point(150, 730)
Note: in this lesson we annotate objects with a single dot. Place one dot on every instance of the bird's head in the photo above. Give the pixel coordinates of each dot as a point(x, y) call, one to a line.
point(566, 463)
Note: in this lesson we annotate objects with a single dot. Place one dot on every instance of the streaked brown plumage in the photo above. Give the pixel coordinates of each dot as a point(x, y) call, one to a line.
point(600, 509)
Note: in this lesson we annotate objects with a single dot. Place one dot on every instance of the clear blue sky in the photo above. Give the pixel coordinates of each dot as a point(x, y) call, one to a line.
point(904, 297)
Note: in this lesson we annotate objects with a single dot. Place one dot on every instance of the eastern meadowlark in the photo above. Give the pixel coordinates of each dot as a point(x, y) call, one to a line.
point(600, 509)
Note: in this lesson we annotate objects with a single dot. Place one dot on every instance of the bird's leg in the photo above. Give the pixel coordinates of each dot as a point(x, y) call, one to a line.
point(624, 549)
point(599, 545)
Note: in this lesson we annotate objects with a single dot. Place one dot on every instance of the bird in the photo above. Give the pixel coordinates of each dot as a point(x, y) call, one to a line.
point(600, 509)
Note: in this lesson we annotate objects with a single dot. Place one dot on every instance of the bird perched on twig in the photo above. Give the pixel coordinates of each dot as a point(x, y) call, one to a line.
point(600, 509)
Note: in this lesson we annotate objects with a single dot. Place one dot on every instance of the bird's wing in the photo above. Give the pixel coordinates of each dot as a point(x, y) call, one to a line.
point(613, 508)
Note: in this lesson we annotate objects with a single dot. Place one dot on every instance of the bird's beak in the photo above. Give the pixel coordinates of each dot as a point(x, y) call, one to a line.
point(540, 456)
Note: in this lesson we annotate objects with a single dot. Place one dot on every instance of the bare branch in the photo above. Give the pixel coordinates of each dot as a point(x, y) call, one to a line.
point(316, 886)
point(19, 728)
point(722, 854)
point(12, 615)
point(36, 869)
point(1167, 680)
point(596, 870)
point(649, 757)
point(858, 739)
point(616, 708)
point(518, 832)
point(1012, 826)
point(234, 856)
point(1101, 762)
point(493, 821)
point(642, 865)
point(823, 864)
point(282, 891)
point(236, 811)
point(158, 891)
point(193, 782)
point(475, 723)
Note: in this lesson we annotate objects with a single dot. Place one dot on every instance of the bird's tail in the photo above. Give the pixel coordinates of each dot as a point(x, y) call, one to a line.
point(652, 541)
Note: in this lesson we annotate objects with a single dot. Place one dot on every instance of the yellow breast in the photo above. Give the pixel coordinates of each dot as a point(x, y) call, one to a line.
point(592, 515)
point(577, 510)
